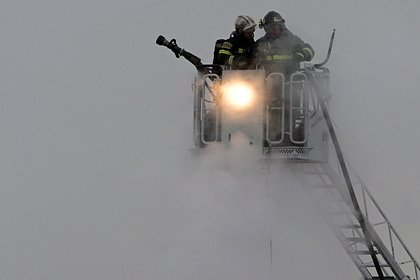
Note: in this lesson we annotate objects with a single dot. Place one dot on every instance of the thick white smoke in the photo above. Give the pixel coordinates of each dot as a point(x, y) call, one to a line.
point(96, 178)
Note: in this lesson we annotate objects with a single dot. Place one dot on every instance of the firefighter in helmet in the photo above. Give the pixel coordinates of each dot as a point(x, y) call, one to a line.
point(236, 52)
point(279, 50)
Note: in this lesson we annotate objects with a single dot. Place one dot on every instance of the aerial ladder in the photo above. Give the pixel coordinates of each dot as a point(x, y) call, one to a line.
point(358, 222)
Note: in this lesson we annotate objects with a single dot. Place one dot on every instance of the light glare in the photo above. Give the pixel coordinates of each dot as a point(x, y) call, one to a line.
point(238, 95)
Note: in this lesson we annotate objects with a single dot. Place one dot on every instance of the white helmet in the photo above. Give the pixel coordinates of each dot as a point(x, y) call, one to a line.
point(244, 23)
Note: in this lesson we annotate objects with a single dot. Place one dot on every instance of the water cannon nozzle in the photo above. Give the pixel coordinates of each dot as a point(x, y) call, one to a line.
point(161, 41)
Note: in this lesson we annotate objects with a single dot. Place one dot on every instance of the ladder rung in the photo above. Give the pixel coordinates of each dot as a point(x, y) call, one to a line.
point(313, 173)
point(363, 252)
point(335, 200)
point(338, 213)
point(350, 226)
point(372, 265)
point(323, 187)
point(356, 239)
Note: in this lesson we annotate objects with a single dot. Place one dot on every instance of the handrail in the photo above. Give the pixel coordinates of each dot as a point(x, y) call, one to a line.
point(391, 228)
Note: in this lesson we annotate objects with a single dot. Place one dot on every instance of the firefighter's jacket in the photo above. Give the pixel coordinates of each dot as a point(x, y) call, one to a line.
point(282, 54)
point(236, 53)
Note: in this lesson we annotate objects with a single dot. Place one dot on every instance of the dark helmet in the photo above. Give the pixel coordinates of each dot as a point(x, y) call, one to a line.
point(272, 18)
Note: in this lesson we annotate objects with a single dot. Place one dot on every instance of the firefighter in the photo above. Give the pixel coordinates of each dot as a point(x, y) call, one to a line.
point(279, 50)
point(237, 52)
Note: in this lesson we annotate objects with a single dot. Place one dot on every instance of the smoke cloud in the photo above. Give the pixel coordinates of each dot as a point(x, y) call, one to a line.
point(97, 180)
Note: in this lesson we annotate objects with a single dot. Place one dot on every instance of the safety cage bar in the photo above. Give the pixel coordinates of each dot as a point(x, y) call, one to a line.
point(206, 113)
point(296, 104)
point(289, 100)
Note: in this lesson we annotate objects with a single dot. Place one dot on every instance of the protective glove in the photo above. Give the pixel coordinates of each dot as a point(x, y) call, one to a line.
point(298, 57)
point(240, 62)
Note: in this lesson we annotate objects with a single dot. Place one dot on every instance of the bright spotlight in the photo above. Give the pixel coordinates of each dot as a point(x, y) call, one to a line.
point(238, 95)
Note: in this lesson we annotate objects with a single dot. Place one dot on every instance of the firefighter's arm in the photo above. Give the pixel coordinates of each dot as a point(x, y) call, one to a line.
point(224, 53)
point(304, 53)
point(225, 57)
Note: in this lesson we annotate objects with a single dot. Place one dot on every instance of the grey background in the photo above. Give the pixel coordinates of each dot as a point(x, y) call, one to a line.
point(96, 181)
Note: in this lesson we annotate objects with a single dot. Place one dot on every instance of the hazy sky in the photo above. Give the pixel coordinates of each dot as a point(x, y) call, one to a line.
point(96, 122)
